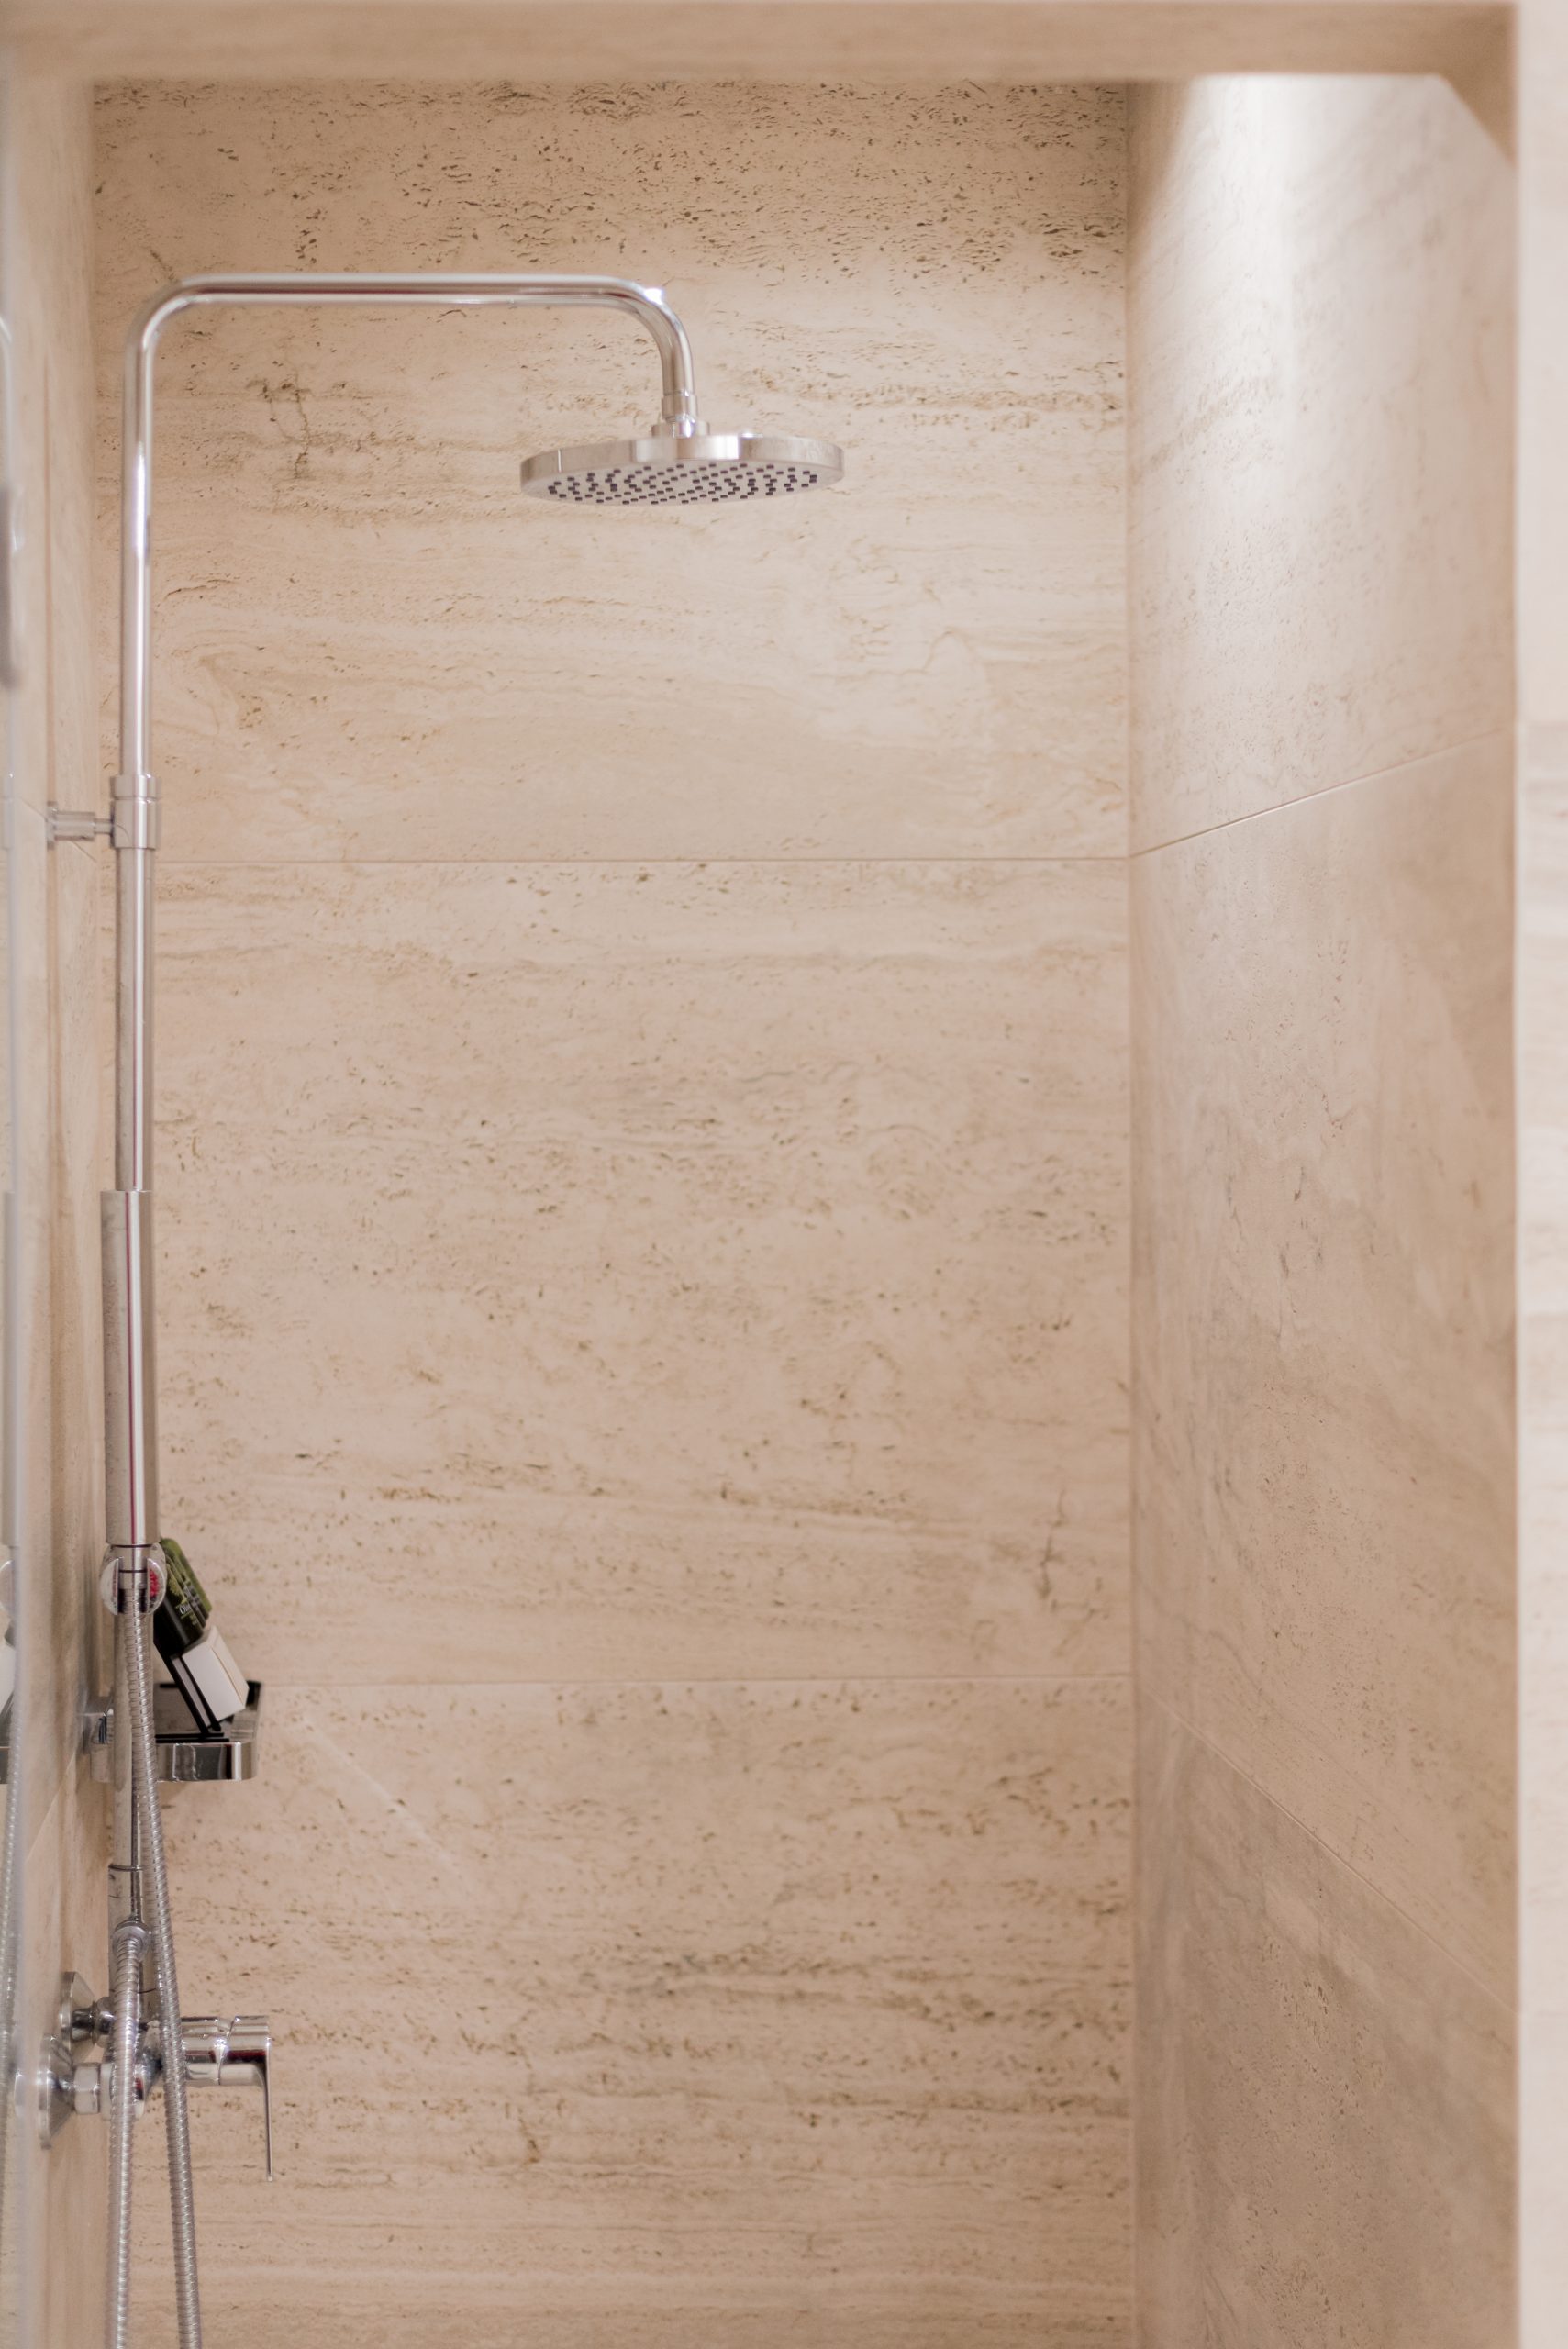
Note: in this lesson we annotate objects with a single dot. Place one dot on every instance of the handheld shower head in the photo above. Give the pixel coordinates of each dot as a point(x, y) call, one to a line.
point(695, 468)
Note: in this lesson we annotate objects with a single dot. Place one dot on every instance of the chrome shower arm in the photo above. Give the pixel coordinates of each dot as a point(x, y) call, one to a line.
point(135, 790)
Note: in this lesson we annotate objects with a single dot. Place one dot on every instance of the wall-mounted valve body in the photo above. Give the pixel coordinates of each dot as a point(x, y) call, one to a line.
point(77, 2072)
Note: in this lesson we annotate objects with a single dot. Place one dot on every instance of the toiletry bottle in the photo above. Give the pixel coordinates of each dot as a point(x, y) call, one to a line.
point(193, 1649)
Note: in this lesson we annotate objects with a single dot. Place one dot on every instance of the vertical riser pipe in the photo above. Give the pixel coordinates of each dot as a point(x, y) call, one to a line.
point(130, 1406)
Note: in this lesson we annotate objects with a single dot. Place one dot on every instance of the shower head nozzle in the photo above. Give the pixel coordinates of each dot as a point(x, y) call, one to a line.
point(682, 469)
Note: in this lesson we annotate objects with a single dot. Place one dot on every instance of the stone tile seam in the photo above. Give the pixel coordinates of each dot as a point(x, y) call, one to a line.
point(1327, 791)
point(697, 861)
point(706, 1680)
point(1507, 2009)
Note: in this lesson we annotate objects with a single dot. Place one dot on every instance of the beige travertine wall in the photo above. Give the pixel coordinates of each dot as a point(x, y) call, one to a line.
point(1320, 347)
point(55, 1172)
point(1543, 1174)
point(643, 1233)
point(903, 41)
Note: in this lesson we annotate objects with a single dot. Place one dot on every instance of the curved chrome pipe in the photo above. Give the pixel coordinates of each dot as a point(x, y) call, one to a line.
point(133, 1505)
point(135, 790)
point(435, 289)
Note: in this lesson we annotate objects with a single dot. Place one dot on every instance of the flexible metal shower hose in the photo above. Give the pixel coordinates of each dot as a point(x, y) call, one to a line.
point(134, 1631)
point(125, 1988)
point(8, 1866)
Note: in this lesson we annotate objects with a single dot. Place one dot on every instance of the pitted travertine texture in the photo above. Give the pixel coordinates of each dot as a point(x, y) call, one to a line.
point(371, 645)
point(1320, 451)
point(682, 1265)
point(1324, 1216)
point(1326, 1459)
point(643, 1160)
point(1542, 1033)
point(711, 2011)
point(1335, 2093)
point(904, 42)
point(52, 2227)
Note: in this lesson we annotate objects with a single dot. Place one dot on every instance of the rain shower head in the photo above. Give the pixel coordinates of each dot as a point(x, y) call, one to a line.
point(691, 468)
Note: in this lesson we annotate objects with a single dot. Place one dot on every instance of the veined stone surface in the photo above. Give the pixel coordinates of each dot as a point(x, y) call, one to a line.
point(643, 1192)
point(1320, 331)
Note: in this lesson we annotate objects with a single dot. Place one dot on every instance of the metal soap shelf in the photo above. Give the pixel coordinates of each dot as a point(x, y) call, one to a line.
point(185, 1756)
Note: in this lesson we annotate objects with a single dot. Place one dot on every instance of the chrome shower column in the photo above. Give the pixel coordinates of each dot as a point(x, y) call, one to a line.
point(133, 1577)
point(132, 1354)
point(678, 463)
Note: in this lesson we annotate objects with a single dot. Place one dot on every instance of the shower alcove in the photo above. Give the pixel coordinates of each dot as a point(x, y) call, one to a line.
point(840, 1210)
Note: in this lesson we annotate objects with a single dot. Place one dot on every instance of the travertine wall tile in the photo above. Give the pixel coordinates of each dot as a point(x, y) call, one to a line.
point(1543, 87)
point(702, 1265)
point(1543, 1385)
point(70, 1404)
point(55, 2201)
point(1320, 336)
point(47, 299)
point(65, 2188)
point(1324, 1292)
point(649, 1269)
point(1543, 1511)
point(801, 40)
point(1327, 2146)
point(794, 2010)
point(1543, 2162)
point(52, 1172)
point(371, 645)
point(1543, 1174)
point(1320, 443)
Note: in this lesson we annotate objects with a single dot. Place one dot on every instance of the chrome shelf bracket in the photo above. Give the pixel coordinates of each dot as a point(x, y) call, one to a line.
point(76, 824)
point(184, 1758)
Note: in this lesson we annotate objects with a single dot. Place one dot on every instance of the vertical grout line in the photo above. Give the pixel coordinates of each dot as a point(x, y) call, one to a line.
point(1128, 692)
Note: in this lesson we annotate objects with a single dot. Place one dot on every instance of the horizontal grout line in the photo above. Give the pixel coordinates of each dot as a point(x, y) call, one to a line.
point(1324, 791)
point(343, 863)
point(721, 1680)
point(1237, 1769)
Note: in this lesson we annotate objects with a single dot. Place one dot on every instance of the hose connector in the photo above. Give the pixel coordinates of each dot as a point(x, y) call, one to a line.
point(133, 1580)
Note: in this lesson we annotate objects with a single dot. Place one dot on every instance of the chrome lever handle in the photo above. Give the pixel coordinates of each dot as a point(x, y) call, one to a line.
point(231, 2052)
point(219, 2051)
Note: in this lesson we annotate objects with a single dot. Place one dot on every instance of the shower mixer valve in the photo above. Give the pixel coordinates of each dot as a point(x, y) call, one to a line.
point(220, 2052)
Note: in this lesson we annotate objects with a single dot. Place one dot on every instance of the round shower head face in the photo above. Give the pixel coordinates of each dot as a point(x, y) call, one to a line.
point(700, 469)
